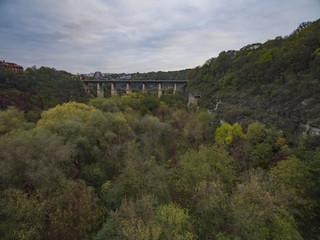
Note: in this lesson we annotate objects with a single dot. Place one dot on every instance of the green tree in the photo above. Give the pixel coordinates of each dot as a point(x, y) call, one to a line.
point(212, 209)
point(11, 119)
point(103, 104)
point(34, 159)
point(141, 177)
point(76, 214)
point(263, 144)
point(175, 222)
point(153, 135)
point(151, 102)
point(257, 208)
point(102, 137)
point(70, 212)
point(263, 210)
point(132, 100)
point(256, 133)
point(293, 173)
point(135, 220)
point(206, 164)
point(22, 215)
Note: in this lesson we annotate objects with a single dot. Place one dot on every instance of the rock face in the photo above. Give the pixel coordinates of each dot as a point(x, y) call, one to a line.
point(294, 116)
point(217, 105)
point(193, 97)
point(310, 130)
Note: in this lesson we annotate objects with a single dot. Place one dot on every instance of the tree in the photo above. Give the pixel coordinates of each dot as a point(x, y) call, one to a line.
point(22, 215)
point(188, 128)
point(212, 209)
point(76, 213)
point(135, 220)
point(209, 123)
point(152, 135)
point(151, 102)
point(227, 133)
point(11, 119)
point(103, 104)
point(138, 220)
point(70, 212)
point(141, 177)
point(260, 211)
point(175, 222)
point(61, 112)
point(257, 208)
point(102, 137)
point(262, 144)
point(34, 159)
point(293, 173)
point(128, 100)
point(207, 164)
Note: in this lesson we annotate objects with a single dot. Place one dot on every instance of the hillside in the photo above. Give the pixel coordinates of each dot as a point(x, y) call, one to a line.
point(277, 81)
point(38, 89)
point(160, 75)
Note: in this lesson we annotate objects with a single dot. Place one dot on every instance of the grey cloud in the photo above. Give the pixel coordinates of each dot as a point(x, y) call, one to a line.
point(140, 35)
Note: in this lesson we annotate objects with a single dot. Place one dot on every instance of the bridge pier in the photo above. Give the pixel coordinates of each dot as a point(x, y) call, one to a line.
point(87, 88)
point(100, 92)
point(144, 87)
point(174, 88)
point(160, 90)
point(128, 89)
point(113, 89)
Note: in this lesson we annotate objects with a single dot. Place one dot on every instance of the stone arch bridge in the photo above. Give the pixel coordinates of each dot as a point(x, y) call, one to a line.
point(142, 83)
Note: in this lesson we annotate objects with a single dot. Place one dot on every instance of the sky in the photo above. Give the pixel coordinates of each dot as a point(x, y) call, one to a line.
point(127, 36)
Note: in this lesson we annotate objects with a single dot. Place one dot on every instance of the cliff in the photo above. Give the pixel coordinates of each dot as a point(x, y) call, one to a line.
point(275, 82)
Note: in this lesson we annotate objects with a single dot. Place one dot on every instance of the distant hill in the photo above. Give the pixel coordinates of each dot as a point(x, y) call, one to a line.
point(38, 89)
point(277, 81)
point(159, 75)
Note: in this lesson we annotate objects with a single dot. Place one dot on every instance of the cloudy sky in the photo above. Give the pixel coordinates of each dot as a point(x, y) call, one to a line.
point(82, 36)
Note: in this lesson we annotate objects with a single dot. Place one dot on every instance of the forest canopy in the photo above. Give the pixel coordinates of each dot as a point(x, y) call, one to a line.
point(107, 170)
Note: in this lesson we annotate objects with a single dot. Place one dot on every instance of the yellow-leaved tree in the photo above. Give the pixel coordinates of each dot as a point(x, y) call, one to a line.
point(227, 133)
point(62, 112)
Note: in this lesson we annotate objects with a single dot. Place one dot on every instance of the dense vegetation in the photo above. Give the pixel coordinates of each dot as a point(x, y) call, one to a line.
point(276, 81)
point(38, 89)
point(160, 75)
point(134, 167)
